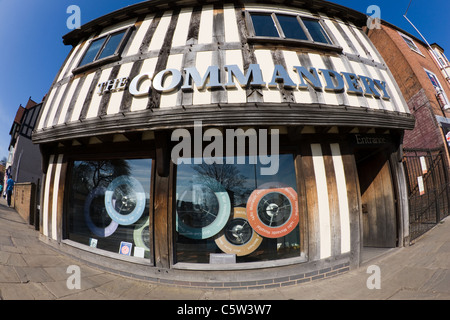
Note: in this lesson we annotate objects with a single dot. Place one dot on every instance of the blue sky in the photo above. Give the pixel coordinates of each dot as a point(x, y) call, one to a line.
point(32, 50)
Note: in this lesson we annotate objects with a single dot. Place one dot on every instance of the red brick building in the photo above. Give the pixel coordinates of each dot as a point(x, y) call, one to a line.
point(421, 71)
point(422, 82)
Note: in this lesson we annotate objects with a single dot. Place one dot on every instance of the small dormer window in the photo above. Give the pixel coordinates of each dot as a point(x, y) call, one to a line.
point(104, 49)
point(277, 26)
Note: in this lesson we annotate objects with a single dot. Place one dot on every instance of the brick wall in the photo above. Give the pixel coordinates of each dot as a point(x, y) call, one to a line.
point(24, 200)
point(407, 67)
point(427, 132)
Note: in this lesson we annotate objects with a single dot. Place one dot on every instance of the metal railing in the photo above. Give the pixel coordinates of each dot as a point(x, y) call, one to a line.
point(428, 188)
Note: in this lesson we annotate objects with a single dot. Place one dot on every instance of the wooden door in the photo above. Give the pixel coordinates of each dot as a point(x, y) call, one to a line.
point(378, 202)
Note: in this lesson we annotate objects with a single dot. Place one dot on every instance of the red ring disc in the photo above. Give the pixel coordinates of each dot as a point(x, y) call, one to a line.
point(260, 227)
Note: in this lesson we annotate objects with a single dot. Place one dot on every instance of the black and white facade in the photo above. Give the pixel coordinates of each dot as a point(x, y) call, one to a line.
point(301, 82)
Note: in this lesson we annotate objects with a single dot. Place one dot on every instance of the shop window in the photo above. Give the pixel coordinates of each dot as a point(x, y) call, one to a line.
point(231, 210)
point(104, 49)
point(108, 206)
point(288, 27)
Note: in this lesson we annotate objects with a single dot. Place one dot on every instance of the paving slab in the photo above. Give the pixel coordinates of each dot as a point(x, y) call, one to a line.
point(31, 270)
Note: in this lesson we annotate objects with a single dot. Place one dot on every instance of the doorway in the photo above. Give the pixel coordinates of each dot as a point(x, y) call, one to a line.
point(379, 218)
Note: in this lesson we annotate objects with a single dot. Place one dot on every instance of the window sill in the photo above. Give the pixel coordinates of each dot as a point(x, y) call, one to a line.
point(418, 52)
point(295, 43)
point(240, 266)
point(106, 254)
point(96, 64)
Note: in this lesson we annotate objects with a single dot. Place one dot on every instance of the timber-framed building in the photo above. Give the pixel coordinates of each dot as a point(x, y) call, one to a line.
point(144, 80)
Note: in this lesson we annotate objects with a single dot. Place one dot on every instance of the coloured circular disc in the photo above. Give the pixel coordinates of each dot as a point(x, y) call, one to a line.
point(238, 237)
point(203, 209)
point(98, 231)
point(125, 200)
point(273, 213)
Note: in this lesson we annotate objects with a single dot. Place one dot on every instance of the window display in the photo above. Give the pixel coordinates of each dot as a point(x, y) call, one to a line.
point(232, 209)
point(109, 205)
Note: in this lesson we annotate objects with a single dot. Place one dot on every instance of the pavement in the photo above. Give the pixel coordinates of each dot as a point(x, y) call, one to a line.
point(32, 270)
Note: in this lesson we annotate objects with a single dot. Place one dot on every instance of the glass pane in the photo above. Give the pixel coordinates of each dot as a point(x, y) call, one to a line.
point(434, 81)
point(35, 116)
point(28, 116)
point(264, 25)
point(112, 45)
point(316, 31)
point(410, 44)
point(233, 209)
point(92, 51)
point(109, 205)
point(291, 27)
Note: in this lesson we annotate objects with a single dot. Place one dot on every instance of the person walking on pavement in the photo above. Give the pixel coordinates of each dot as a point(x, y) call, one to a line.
point(9, 190)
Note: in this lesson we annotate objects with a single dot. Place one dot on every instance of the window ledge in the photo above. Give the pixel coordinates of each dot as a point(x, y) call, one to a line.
point(96, 64)
point(295, 43)
point(416, 51)
point(105, 254)
point(240, 266)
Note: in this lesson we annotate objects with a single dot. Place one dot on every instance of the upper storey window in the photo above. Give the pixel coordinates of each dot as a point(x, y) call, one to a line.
point(275, 26)
point(105, 49)
point(410, 42)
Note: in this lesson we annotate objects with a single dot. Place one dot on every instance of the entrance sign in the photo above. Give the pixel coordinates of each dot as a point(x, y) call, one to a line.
point(370, 140)
point(170, 80)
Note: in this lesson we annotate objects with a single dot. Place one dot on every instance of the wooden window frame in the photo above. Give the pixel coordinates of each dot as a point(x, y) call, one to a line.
point(405, 38)
point(286, 148)
point(112, 58)
point(283, 40)
point(110, 154)
point(28, 123)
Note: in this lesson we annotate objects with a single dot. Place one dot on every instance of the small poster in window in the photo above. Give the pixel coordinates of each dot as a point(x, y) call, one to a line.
point(93, 243)
point(139, 252)
point(125, 248)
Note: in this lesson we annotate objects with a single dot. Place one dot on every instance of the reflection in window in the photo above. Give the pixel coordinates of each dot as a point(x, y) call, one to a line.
point(264, 25)
point(316, 31)
point(112, 45)
point(93, 51)
point(109, 205)
point(103, 47)
point(232, 209)
point(289, 27)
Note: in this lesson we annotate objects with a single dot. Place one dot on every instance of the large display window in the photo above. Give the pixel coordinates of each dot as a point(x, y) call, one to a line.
point(231, 210)
point(108, 205)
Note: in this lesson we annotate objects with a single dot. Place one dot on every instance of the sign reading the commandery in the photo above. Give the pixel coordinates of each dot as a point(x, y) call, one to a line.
point(170, 80)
